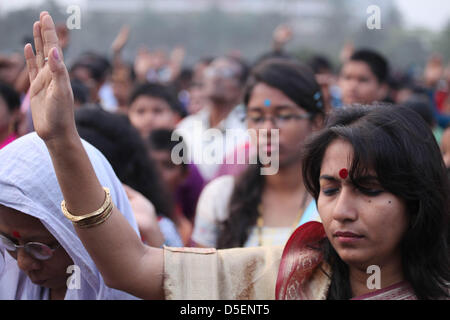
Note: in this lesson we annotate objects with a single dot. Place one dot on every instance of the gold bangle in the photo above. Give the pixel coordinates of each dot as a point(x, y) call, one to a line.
point(96, 221)
point(95, 218)
point(76, 219)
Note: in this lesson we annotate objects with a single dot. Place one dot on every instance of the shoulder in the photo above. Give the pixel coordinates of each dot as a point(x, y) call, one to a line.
point(215, 197)
point(217, 193)
point(192, 120)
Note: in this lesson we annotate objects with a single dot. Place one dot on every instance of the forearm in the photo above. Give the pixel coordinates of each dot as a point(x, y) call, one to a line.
point(114, 246)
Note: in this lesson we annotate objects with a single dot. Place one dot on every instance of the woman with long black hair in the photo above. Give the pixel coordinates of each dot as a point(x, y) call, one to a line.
point(256, 209)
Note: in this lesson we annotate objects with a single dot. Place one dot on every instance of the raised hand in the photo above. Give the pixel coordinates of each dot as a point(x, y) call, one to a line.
point(121, 39)
point(282, 34)
point(51, 96)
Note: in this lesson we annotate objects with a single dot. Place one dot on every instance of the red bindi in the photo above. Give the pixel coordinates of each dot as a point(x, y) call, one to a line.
point(343, 173)
point(16, 234)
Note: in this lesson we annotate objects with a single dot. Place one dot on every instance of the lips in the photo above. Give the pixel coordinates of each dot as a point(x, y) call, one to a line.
point(347, 234)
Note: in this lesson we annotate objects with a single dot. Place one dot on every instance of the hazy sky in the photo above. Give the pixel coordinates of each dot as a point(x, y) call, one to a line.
point(432, 14)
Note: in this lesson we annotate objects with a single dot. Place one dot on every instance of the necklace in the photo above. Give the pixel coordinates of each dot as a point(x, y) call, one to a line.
point(260, 220)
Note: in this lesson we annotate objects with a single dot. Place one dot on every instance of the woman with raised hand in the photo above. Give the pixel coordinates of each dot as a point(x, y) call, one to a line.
point(39, 248)
point(376, 174)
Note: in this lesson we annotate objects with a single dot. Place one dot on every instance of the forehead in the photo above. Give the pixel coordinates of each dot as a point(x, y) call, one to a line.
point(263, 92)
point(338, 156)
point(357, 68)
point(12, 220)
point(151, 102)
point(225, 63)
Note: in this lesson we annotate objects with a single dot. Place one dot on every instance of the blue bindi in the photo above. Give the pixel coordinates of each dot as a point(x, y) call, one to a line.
point(267, 103)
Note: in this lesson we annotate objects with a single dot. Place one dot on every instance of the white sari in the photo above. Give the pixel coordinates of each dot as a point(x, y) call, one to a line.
point(28, 184)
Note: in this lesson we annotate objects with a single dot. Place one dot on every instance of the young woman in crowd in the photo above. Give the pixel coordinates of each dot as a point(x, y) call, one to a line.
point(256, 209)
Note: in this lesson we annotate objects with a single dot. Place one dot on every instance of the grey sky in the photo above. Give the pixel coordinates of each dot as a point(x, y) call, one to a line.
point(432, 14)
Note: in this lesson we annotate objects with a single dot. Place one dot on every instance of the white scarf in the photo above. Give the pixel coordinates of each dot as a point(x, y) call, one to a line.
point(28, 184)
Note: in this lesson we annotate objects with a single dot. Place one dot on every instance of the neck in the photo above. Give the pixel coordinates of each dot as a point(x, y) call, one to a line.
point(58, 293)
point(389, 274)
point(288, 179)
point(4, 134)
point(218, 112)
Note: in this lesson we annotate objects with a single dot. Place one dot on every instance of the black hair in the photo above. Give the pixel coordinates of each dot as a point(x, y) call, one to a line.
point(161, 91)
point(295, 80)
point(80, 91)
point(320, 64)
point(273, 55)
point(167, 140)
point(124, 148)
point(244, 69)
point(398, 145)
point(377, 63)
point(10, 96)
point(421, 104)
point(298, 83)
point(98, 65)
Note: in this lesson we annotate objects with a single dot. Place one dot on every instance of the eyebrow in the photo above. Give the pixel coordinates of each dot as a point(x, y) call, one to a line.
point(279, 107)
point(327, 177)
point(33, 238)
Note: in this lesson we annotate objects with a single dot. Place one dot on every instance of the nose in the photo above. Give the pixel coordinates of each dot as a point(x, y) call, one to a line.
point(269, 124)
point(26, 262)
point(345, 209)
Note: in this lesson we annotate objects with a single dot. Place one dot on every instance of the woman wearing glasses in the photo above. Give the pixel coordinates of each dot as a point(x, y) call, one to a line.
point(39, 249)
point(251, 210)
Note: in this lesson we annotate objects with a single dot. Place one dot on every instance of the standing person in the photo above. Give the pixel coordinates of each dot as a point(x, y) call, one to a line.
point(363, 78)
point(197, 98)
point(255, 209)
point(9, 114)
point(359, 169)
point(161, 144)
point(223, 82)
point(154, 106)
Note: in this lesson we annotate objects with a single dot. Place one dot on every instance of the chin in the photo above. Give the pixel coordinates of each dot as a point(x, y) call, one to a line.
point(353, 258)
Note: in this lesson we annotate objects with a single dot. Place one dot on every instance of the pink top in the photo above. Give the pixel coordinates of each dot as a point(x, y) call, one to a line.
point(8, 140)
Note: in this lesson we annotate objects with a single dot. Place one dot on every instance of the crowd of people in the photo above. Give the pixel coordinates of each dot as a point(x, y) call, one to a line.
point(362, 154)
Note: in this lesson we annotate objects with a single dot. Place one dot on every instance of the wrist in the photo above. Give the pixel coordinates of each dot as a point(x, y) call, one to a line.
point(65, 141)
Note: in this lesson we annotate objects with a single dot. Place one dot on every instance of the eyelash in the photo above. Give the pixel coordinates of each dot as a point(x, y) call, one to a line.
point(368, 192)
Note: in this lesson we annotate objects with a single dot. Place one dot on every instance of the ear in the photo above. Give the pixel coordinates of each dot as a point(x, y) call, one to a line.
point(383, 91)
point(318, 122)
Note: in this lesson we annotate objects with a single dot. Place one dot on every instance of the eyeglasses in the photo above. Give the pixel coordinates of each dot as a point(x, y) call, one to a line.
point(227, 73)
point(279, 120)
point(37, 250)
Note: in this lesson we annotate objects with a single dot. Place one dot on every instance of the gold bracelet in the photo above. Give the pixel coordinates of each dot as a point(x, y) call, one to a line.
point(96, 221)
point(76, 219)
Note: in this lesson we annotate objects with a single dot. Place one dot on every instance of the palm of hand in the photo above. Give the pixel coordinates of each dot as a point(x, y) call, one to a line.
point(51, 96)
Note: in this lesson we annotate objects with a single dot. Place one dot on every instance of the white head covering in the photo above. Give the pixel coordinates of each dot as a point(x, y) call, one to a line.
point(28, 184)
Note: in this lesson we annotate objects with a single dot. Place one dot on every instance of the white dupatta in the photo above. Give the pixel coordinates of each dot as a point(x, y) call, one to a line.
point(28, 184)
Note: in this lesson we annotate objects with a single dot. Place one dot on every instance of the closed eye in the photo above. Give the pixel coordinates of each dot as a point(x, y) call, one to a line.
point(371, 192)
point(330, 191)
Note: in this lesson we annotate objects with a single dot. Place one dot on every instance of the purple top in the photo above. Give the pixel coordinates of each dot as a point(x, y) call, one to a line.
point(188, 193)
